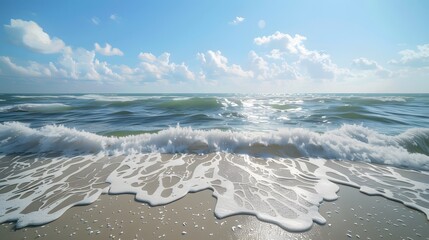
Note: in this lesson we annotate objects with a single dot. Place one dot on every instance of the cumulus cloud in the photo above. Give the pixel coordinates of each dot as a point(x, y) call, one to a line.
point(78, 64)
point(370, 67)
point(308, 63)
point(108, 50)
point(264, 69)
point(147, 57)
point(32, 36)
point(237, 20)
point(160, 68)
point(292, 44)
point(318, 66)
point(280, 59)
point(418, 57)
point(215, 65)
point(365, 64)
point(82, 64)
point(32, 70)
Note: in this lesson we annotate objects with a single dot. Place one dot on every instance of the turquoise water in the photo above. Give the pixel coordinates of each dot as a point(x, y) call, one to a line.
point(273, 156)
point(133, 114)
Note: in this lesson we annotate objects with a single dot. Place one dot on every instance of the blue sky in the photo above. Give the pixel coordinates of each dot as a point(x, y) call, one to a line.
point(214, 46)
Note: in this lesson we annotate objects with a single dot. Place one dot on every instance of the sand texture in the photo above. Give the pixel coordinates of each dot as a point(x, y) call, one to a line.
point(354, 215)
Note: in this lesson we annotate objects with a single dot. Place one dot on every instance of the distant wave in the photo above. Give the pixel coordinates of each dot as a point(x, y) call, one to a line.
point(95, 97)
point(35, 107)
point(191, 103)
point(409, 149)
point(107, 98)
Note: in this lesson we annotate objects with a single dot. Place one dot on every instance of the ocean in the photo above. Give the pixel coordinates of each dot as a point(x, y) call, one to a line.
point(277, 157)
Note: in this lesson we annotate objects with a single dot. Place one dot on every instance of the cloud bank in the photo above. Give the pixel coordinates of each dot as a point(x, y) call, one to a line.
point(279, 59)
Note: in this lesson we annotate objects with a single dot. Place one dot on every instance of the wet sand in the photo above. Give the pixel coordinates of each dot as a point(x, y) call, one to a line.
point(353, 216)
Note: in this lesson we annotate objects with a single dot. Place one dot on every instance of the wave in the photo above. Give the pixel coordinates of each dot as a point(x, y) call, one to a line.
point(36, 107)
point(409, 149)
point(108, 98)
point(376, 100)
point(195, 103)
point(53, 168)
point(122, 113)
point(95, 97)
point(39, 96)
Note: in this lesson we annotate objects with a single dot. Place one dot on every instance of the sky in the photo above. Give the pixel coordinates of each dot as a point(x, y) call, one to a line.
point(252, 46)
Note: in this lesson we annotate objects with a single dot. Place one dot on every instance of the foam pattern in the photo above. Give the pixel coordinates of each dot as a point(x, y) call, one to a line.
point(288, 192)
point(280, 177)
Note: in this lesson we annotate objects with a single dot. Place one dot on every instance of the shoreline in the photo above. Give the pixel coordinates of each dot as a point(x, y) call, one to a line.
point(353, 215)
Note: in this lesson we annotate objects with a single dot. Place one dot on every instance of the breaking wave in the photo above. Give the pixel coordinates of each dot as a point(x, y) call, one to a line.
point(409, 149)
point(36, 107)
point(280, 176)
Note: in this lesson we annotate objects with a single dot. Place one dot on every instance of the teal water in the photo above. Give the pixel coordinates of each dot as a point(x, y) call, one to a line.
point(138, 113)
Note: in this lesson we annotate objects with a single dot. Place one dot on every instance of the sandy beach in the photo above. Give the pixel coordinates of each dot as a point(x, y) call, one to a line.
point(353, 216)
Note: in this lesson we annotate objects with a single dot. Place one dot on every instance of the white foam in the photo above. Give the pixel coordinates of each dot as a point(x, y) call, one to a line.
point(38, 96)
point(54, 168)
point(107, 98)
point(287, 192)
point(387, 98)
point(350, 142)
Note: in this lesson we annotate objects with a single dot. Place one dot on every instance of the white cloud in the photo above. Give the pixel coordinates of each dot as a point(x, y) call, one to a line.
point(281, 62)
point(215, 65)
point(308, 63)
point(148, 57)
point(268, 70)
point(79, 64)
point(365, 64)
point(417, 58)
point(82, 64)
point(276, 54)
point(160, 68)
point(32, 36)
point(292, 44)
point(95, 20)
point(370, 67)
point(261, 24)
point(108, 50)
point(34, 70)
point(114, 17)
point(318, 65)
point(237, 20)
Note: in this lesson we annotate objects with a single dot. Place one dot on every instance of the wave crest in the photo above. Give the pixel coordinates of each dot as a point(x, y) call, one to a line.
point(36, 107)
point(349, 142)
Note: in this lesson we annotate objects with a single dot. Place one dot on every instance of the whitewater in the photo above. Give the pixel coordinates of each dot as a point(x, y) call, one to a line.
point(277, 157)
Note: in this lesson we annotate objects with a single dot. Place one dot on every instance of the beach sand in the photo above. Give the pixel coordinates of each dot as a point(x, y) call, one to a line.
point(353, 216)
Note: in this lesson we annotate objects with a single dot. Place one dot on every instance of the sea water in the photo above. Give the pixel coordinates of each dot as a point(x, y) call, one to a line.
point(277, 157)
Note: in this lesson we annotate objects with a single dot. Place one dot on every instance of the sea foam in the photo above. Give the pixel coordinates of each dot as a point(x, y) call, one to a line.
point(280, 177)
point(349, 142)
